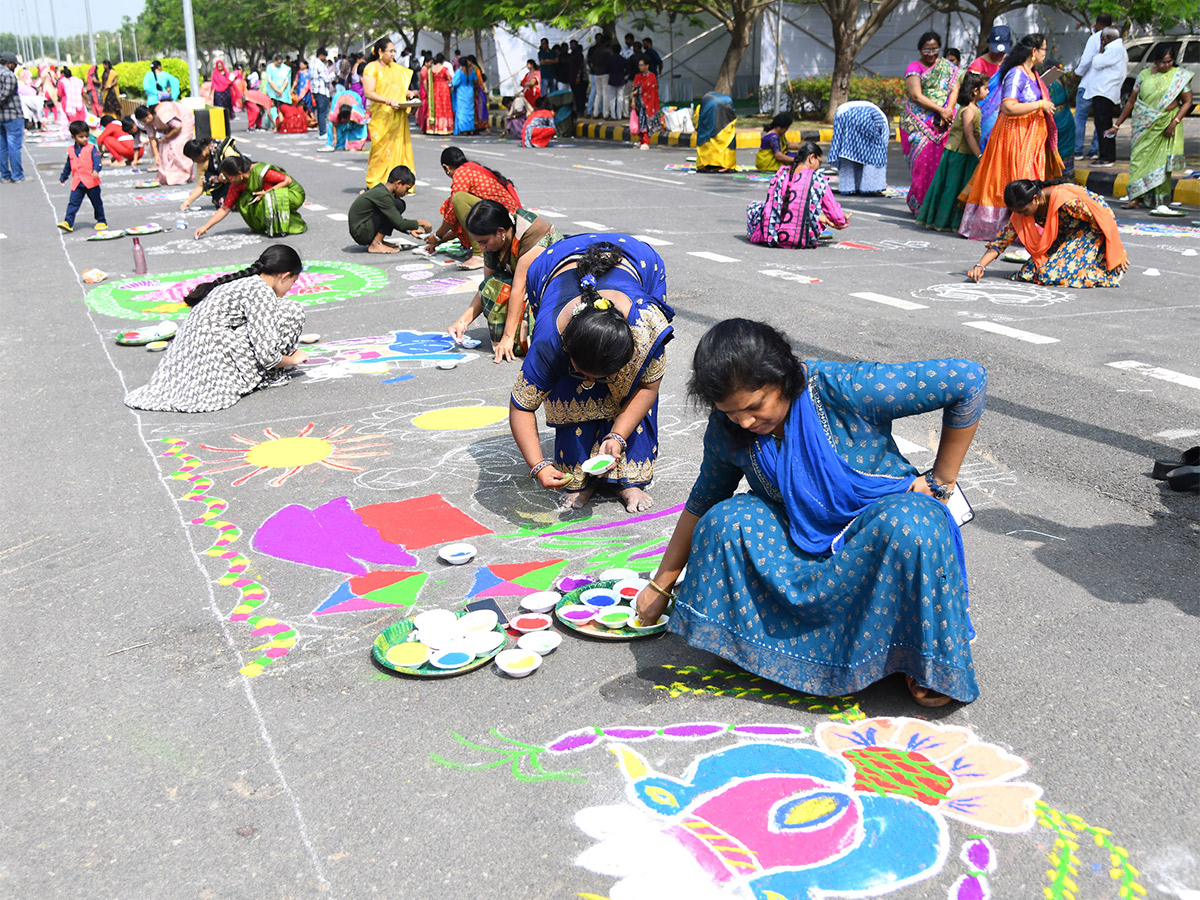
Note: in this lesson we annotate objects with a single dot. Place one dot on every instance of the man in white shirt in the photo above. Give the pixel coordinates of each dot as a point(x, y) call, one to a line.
point(627, 92)
point(1083, 106)
point(1105, 77)
point(321, 82)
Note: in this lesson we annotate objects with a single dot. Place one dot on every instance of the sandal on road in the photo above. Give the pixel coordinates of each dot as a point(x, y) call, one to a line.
point(923, 695)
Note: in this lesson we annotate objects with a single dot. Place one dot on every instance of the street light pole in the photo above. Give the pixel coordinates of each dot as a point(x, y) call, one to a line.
point(189, 31)
point(120, 47)
point(87, 11)
point(54, 28)
point(37, 14)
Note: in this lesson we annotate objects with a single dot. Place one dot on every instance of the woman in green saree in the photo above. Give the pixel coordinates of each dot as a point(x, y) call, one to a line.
point(267, 197)
point(1161, 98)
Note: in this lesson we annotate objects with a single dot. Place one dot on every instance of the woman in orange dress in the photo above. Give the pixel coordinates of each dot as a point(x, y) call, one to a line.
point(1024, 143)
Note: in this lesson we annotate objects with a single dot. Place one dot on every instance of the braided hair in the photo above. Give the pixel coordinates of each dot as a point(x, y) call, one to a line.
point(278, 259)
point(598, 338)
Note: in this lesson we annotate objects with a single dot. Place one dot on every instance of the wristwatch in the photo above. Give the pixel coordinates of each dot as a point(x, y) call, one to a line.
point(939, 490)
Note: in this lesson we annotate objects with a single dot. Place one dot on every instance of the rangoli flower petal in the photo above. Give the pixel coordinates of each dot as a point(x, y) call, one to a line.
point(935, 742)
point(867, 733)
point(983, 763)
point(1000, 807)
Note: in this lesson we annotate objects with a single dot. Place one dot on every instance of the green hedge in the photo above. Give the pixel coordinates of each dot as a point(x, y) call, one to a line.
point(132, 73)
point(809, 97)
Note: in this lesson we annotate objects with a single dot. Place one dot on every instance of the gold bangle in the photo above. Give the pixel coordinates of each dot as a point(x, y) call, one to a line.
point(660, 589)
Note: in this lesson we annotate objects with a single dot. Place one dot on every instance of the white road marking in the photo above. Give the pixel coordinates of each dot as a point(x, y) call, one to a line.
point(419, 183)
point(888, 301)
point(715, 257)
point(316, 206)
point(907, 447)
point(1155, 372)
point(789, 276)
point(1178, 434)
point(1027, 336)
point(340, 165)
point(592, 226)
point(488, 152)
point(653, 241)
point(549, 214)
point(337, 217)
point(629, 175)
point(863, 212)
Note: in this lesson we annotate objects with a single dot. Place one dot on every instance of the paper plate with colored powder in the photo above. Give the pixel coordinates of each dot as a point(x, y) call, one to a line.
point(111, 235)
point(540, 642)
point(441, 663)
point(137, 337)
point(518, 663)
point(578, 622)
point(628, 588)
point(409, 655)
point(600, 598)
point(598, 465)
point(531, 622)
point(148, 228)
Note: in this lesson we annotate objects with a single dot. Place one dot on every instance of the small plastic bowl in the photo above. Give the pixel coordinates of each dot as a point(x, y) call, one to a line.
point(613, 618)
point(541, 602)
point(527, 622)
point(481, 643)
point(310, 338)
point(478, 620)
point(599, 464)
point(454, 657)
point(518, 663)
point(158, 346)
point(540, 642)
point(435, 620)
point(438, 638)
point(447, 364)
point(577, 615)
point(617, 575)
point(457, 554)
point(636, 624)
point(410, 655)
point(599, 598)
point(469, 343)
point(628, 589)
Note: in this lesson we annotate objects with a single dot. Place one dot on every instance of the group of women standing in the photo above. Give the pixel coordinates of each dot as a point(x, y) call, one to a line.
point(992, 171)
point(453, 101)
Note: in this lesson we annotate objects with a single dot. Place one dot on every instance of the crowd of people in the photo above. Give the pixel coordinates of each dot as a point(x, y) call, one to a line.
point(586, 318)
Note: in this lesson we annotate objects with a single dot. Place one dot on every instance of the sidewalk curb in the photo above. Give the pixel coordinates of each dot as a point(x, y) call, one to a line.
point(1186, 190)
point(1115, 184)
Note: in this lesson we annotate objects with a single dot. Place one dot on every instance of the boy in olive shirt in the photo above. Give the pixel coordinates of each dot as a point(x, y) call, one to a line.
point(379, 211)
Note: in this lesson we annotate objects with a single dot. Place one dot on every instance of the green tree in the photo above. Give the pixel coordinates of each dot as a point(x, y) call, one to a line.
point(854, 22)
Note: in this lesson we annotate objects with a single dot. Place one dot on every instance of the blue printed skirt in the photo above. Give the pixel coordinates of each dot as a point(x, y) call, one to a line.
point(891, 601)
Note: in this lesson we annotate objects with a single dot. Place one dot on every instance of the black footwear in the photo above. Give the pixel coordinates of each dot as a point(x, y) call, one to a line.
point(1185, 479)
point(1189, 457)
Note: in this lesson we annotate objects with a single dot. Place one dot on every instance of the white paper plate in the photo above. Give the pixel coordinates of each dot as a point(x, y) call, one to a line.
point(540, 642)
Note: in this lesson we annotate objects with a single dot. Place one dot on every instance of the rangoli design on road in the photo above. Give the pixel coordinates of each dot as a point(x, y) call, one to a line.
point(295, 452)
point(865, 809)
point(377, 354)
point(280, 636)
point(1002, 293)
point(149, 297)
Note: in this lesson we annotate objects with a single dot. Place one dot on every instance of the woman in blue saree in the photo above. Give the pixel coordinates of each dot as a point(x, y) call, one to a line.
point(462, 90)
point(841, 566)
point(596, 359)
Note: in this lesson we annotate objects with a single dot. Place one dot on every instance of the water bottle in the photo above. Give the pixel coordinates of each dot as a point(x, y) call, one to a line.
point(139, 257)
point(180, 223)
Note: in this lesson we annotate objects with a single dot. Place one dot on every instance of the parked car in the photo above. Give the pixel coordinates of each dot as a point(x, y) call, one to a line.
point(1185, 48)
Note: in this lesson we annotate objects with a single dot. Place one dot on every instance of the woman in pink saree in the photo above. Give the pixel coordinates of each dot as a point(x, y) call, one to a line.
point(169, 127)
point(932, 85)
point(70, 96)
point(799, 205)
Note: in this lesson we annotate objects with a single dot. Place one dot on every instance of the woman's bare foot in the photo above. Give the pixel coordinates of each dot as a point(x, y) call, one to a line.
point(1133, 204)
point(382, 247)
point(923, 695)
point(635, 499)
point(572, 500)
point(475, 262)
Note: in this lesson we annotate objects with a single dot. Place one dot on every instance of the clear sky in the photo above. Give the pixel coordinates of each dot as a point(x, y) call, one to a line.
point(69, 15)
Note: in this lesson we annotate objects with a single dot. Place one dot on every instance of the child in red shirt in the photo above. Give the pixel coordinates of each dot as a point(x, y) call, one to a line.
point(83, 167)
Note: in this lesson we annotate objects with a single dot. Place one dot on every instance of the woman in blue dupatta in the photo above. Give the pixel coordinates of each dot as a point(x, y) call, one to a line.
point(596, 358)
point(840, 567)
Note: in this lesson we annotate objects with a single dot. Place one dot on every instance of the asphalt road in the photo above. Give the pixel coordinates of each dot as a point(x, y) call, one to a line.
point(139, 762)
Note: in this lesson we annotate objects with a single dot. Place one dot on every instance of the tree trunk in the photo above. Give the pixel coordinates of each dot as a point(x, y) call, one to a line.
point(846, 43)
point(446, 45)
point(478, 46)
point(987, 18)
point(739, 40)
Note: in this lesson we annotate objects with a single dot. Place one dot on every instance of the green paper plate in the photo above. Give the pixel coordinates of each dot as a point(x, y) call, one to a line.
point(591, 629)
point(110, 235)
point(398, 634)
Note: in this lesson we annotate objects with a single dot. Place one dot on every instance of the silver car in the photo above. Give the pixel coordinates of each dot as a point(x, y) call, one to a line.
point(1184, 47)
